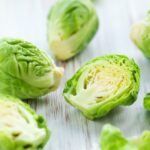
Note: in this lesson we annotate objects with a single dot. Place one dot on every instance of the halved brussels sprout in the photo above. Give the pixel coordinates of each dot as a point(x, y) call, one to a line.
point(20, 127)
point(102, 84)
point(147, 101)
point(25, 70)
point(140, 34)
point(113, 139)
point(71, 26)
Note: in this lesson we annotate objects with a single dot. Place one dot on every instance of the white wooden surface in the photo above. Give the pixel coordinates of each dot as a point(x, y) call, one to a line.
point(70, 130)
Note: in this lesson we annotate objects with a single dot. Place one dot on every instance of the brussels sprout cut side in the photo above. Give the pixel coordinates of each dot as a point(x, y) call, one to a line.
point(71, 26)
point(20, 127)
point(140, 34)
point(102, 84)
point(25, 70)
point(113, 139)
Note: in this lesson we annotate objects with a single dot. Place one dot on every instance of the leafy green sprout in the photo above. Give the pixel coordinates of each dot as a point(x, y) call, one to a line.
point(113, 139)
point(21, 128)
point(71, 26)
point(140, 35)
point(103, 84)
point(25, 70)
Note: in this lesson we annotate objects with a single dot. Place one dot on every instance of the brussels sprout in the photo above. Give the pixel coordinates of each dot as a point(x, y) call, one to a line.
point(113, 139)
point(71, 26)
point(147, 101)
point(20, 127)
point(140, 34)
point(102, 84)
point(25, 70)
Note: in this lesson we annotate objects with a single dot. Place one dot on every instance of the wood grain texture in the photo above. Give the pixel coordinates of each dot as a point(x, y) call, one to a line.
point(70, 130)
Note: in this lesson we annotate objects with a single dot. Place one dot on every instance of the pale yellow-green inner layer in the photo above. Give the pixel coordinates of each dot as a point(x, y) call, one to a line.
point(19, 124)
point(101, 82)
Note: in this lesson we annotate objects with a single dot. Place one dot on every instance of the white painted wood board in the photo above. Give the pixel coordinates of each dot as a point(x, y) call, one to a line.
point(70, 129)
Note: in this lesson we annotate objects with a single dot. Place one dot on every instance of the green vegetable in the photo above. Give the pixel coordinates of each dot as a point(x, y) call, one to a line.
point(25, 70)
point(142, 142)
point(20, 127)
point(71, 26)
point(147, 101)
point(113, 139)
point(140, 34)
point(102, 84)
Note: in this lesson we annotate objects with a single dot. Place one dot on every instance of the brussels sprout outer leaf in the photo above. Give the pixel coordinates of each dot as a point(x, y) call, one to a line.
point(71, 26)
point(143, 141)
point(89, 100)
point(147, 101)
point(6, 143)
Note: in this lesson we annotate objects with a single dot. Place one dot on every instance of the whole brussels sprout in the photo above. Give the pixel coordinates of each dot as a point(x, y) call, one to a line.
point(102, 84)
point(71, 26)
point(20, 127)
point(25, 70)
point(113, 139)
point(140, 34)
point(147, 101)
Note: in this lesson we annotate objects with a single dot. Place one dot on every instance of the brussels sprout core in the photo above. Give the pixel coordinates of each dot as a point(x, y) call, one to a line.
point(102, 84)
point(24, 129)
